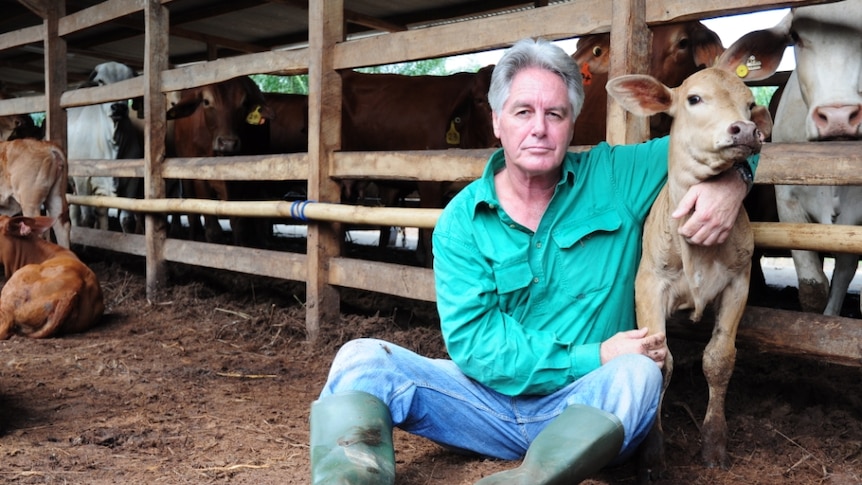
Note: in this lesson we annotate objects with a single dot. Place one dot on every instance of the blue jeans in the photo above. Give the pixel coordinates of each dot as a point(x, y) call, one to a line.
point(433, 399)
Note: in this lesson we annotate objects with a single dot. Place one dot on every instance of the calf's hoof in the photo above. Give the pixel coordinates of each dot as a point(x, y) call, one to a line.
point(651, 464)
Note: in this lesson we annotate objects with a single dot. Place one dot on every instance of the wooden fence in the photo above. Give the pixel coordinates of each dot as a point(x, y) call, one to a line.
point(323, 268)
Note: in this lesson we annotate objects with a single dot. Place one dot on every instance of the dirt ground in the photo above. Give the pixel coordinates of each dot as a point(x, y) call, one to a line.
point(214, 384)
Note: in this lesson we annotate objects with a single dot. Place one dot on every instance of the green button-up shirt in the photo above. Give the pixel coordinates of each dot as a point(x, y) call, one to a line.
point(525, 312)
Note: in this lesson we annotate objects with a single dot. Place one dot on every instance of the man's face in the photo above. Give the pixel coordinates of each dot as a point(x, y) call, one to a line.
point(536, 123)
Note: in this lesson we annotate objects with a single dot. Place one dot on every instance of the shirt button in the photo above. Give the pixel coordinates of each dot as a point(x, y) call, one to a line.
point(511, 226)
point(535, 280)
point(492, 206)
point(539, 245)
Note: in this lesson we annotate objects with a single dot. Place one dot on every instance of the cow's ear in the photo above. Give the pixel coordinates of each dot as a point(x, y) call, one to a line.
point(640, 94)
point(259, 114)
point(756, 55)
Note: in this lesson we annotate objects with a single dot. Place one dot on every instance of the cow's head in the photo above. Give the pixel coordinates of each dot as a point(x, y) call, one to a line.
point(225, 109)
point(827, 82)
point(109, 73)
point(473, 119)
point(678, 50)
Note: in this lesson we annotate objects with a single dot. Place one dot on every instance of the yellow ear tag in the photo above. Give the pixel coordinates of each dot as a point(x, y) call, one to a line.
point(452, 136)
point(741, 70)
point(254, 118)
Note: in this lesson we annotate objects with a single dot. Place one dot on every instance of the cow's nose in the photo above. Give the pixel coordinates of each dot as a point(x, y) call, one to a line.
point(838, 121)
point(744, 133)
point(226, 144)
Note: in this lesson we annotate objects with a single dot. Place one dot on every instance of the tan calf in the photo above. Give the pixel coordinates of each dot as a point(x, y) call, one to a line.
point(33, 173)
point(716, 124)
point(48, 289)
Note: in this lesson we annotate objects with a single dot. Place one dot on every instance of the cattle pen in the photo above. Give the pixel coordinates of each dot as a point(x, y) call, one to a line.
point(327, 49)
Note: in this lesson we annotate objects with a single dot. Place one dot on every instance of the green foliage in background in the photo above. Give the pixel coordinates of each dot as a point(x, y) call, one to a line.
point(282, 84)
point(763, 94)
point(434, 67)
point(299, 84)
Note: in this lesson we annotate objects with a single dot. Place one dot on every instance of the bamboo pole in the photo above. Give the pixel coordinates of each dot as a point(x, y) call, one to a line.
point(813, 237)
point(300, 210)
point(775, 235)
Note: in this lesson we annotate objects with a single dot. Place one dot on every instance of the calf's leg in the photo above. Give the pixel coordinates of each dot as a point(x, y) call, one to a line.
point(650, 303)
point(719, 358)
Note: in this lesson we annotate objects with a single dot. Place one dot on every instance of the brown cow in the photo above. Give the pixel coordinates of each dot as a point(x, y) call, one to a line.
point(398, 112)
point(678, 50)
point(225, 118)
point(48, 289)
point(716, 124)
point(33, 173)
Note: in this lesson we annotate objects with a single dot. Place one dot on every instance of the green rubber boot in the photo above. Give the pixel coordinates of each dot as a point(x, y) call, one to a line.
point(573, 447)
point(351, 440)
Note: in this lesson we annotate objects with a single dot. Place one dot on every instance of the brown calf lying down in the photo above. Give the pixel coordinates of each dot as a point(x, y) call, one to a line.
point(48, 289)
point(716, 124)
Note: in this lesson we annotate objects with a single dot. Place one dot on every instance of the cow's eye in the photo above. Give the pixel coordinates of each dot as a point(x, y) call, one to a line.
point(694, 99)
point(597, 51)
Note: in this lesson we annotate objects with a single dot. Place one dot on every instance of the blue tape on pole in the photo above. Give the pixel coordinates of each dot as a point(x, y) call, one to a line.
point(293, 209)
point(304, 218)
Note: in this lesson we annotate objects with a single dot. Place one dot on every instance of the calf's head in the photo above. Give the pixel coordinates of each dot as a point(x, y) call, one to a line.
point(716, 121)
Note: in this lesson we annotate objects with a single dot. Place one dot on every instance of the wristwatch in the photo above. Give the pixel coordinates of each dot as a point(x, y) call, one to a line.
point(744, 171)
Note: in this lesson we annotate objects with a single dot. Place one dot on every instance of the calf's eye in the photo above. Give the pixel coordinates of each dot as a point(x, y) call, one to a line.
point(693, 99)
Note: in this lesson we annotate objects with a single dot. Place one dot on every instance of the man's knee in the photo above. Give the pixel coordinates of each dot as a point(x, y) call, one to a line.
point(360, 366)
point(640, 371)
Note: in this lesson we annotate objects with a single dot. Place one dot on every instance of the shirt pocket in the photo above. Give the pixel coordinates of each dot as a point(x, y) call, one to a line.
point(607, 221)
point(589, 259)
point(512, 274)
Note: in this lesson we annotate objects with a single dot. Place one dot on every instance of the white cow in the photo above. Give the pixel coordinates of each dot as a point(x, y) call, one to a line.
point(91, 136)
point(822, 101)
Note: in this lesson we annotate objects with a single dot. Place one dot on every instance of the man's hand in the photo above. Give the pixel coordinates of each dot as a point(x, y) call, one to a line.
point(713, 206)
point(635, 342)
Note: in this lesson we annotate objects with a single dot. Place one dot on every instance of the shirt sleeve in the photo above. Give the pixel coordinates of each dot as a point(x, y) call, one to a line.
point(639, 172)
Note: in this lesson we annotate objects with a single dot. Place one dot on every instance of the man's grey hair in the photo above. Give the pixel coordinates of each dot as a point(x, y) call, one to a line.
point(535, 53)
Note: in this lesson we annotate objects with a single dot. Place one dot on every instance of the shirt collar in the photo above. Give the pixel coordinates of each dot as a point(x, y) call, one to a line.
point(486, 195)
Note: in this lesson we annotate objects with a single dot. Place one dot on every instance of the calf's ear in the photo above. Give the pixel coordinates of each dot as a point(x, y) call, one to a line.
point(640, 94)
point(761, 117)
point(21, 226)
